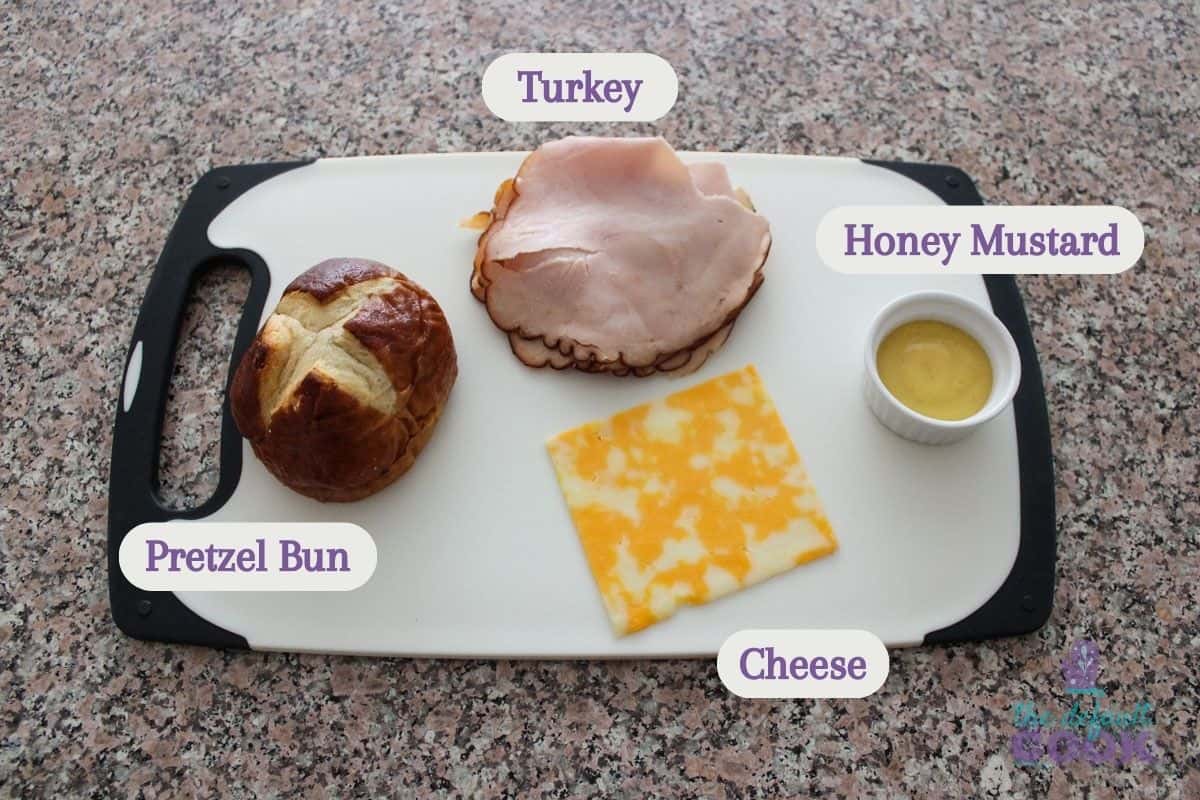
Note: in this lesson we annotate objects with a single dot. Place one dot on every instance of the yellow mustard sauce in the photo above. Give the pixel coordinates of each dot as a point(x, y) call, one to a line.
point(935, 369)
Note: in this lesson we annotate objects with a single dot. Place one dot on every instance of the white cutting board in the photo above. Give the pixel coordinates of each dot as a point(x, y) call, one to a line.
point(477, 552)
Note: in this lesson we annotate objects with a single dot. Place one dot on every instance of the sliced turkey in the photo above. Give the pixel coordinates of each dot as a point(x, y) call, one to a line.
point(611, 255)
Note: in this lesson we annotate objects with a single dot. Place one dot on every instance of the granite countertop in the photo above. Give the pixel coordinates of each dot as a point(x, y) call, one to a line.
point(113, 110)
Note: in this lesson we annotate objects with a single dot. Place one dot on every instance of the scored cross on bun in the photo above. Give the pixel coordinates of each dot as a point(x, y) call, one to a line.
point(342, 387)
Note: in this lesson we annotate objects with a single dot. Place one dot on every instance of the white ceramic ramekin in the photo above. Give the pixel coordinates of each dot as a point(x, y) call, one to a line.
point(976, 320)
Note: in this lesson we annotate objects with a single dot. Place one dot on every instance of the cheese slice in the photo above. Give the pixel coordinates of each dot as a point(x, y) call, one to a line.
point(689, 498)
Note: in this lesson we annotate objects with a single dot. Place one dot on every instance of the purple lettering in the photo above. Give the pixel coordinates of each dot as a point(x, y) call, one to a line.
point(528, 75)
point(290, 557)
point(949, 241)
point(153, 557)
point(1107, 242)
point(339, 559)
point(1026, 746)
point(195, 560)
point(837, 668)
point(1136, 745)
point(591, 92)
point(777, 668)
point(1063, 747)
point(763, 663)
point(885, 244)
point(632, 88)
point(245, 560)
point(864, 239)
point(987, 245)
point(1101, 750)
point(745, 669)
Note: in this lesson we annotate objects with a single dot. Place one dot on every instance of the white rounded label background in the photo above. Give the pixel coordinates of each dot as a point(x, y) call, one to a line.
point(947, 239)
point(746, 656)
point(607, 87)
point(342, 556)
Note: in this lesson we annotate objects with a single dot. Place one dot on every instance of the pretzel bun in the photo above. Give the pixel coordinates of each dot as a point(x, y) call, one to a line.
point(342, 387)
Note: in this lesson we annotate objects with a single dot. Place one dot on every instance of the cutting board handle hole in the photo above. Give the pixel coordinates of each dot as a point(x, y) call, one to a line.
point(189, 447)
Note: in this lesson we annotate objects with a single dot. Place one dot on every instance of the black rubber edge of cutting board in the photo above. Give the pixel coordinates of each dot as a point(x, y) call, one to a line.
point(133, 496)
point(1021, 605)
point(1023, 602)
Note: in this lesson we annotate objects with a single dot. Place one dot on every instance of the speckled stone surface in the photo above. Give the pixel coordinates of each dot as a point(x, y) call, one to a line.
point(112, 111)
